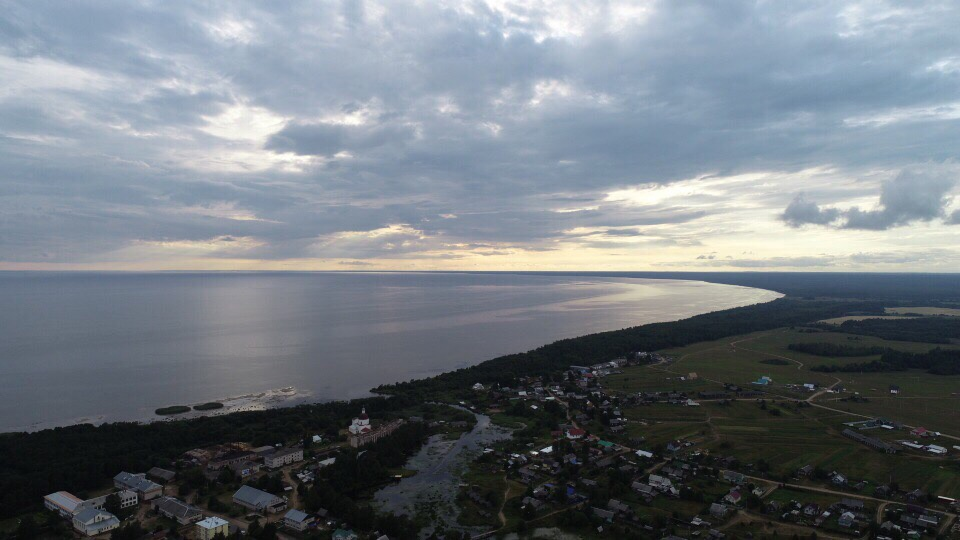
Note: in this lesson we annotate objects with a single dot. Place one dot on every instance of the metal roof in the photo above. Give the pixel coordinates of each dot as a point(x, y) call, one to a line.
point(212, 522)
point(254, 497)
point(296, 515)
point(66, 500)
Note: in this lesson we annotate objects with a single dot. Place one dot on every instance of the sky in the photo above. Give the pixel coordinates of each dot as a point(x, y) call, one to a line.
point(480, 135)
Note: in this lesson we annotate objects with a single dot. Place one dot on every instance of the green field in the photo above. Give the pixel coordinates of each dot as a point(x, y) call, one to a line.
point(800, 435)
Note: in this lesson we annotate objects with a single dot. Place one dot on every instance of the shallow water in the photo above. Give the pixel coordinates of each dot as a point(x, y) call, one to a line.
point(439, 465)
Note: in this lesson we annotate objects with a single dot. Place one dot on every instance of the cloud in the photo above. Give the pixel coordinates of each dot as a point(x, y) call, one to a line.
point(802, 212)
point(666, 130)
point(911, 196)
point(914, 195)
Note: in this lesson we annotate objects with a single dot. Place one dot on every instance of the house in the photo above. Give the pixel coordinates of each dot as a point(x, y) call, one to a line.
point(211, 527)
point(163, 475)
point(805, 471)
point(92, 521)
point(659, 482)
point(144, 488)
point(645, 490)
point(343, 534)
point(618, 507)
point(297, 520)
point(718, 510)
point(177, 510)
point(921, 432)
point(852, 504)
point(934, 449)
point(259, 501)
point(733, 477)
point(536, 504)
point(733, 497)
point(287, 456)
point(575, 434)
point(847, 520)
point(916, 495)
point(603, 514)
point(644, 454)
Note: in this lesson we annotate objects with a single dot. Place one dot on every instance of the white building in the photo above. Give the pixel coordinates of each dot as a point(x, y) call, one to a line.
point(92, 521)
point(284, 457)
point(212, 526)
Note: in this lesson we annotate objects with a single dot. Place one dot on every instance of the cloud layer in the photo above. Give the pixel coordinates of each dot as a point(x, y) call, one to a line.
point(477, 134)
point(912, 196)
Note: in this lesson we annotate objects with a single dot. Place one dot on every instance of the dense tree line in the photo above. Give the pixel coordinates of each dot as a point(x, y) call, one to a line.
point(835, 350)
point(923, 329)
point(938, 362)
point(606, 345)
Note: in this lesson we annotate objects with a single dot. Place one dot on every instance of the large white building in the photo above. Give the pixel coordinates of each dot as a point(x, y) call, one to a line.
point(91, 521)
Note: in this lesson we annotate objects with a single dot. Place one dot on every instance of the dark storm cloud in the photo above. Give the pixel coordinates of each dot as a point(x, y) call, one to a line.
point(123, 122)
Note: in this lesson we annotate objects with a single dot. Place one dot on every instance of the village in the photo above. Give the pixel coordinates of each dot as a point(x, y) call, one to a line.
point(593, 470)
point(153, 498)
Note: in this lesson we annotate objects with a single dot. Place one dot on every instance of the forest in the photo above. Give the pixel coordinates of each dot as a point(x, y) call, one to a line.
point(921, 329)
point(836, 351)
point(937, 362)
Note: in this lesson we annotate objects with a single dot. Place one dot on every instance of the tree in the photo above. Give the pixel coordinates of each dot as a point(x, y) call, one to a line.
point(27, 529)
point(112, 504)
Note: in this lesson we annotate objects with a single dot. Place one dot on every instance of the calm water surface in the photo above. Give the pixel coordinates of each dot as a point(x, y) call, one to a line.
point(117, 346)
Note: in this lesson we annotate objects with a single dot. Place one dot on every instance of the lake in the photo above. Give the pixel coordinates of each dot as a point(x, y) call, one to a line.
point(104, 347)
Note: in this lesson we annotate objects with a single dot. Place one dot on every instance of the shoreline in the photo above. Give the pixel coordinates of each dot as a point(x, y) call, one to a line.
point(274, 398)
